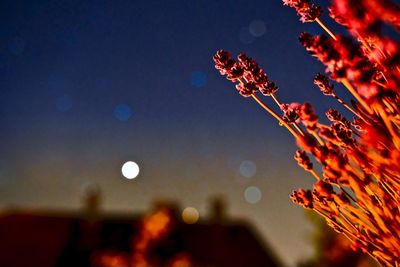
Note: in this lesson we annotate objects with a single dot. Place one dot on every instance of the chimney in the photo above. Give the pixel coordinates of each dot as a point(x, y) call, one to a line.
point(91, 200)
point(218, 209)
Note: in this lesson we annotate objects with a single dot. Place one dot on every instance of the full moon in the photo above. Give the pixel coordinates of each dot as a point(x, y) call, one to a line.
point(130, 170)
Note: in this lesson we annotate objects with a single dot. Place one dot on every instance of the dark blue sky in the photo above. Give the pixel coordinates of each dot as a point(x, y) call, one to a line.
point(88, 85)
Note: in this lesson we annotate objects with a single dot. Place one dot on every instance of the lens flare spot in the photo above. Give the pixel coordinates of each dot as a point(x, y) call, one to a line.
point(257, 28)
point(247, 168)
point(252, 194)
point(122, 112)
point(190, 215)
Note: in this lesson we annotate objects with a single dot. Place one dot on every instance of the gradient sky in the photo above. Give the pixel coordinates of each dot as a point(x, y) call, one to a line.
point(88, 85)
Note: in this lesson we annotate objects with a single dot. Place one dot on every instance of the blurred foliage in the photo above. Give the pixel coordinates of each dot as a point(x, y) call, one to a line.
point(332, 249)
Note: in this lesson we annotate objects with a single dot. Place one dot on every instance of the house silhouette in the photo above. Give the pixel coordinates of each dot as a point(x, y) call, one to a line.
point(90, 238)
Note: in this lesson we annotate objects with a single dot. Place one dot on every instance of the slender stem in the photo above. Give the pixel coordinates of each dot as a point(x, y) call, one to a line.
point(344, 228)
point(315, 174)
point(381, 51)
point(347, 193)
point(397, 197)
point(388, 105)
point(341, 227)
point(276, 116)
point(341, 101)
point(368, 252)
point(353, 91)
point(389, 191)
point(355, 217)
point(345, 81)
point(297, 127)
point(378, 83)
point(365, 210)
point(372, 54)
point(351, 197)
point(326, 28)
point(316, 136)
point(348, 221)
point(276, 100)
point(388, 123)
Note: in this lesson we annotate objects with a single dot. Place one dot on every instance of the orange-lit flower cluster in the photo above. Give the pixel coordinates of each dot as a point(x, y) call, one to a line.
point(154, 228)
point(358, 176)
point(306, 11)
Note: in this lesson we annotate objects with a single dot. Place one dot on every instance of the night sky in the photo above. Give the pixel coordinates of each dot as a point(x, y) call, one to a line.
point(88, 85)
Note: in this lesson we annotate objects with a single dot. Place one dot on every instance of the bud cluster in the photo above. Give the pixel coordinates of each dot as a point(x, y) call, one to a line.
point(246, 70)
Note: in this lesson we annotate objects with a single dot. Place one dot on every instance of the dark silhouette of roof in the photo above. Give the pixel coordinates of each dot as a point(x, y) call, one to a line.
point(49, 239)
